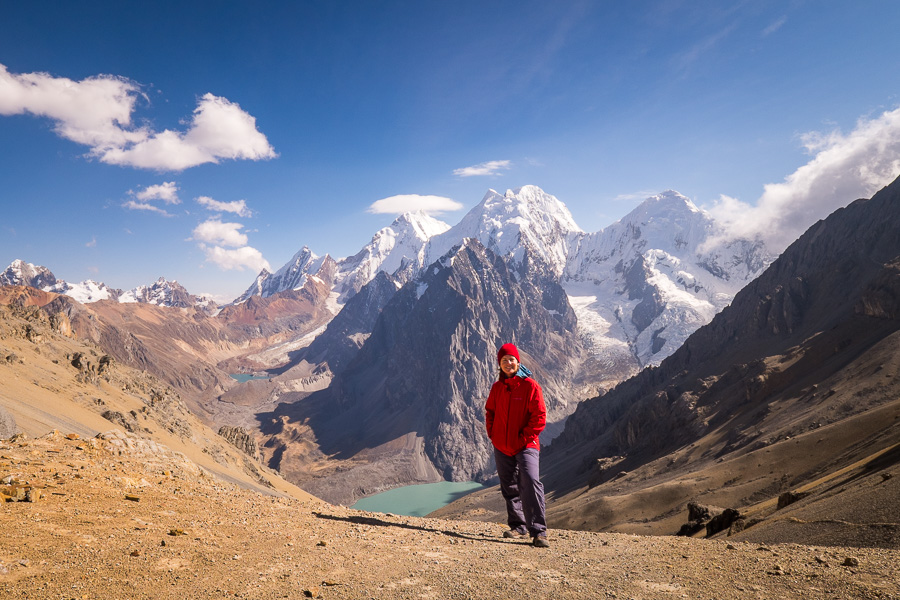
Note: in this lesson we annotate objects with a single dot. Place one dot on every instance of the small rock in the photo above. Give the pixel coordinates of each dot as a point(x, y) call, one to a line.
point(135, 553)
point(886, 476)
point(322, 543)
point(821, 561)
point(851, 561)
point(312, 592)
point(132, 498)
point(731, 547)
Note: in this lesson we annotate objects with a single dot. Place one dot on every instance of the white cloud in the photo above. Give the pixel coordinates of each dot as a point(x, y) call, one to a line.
point(97, 112)
point(167, 192)
point(134, 205)
point(485, 168)
point(218, 130)
point(226, 247)
point(432, 205)
point(92, 243)
point(218, 233)
point(236, 258)
point(843, 168)
point(238, 207)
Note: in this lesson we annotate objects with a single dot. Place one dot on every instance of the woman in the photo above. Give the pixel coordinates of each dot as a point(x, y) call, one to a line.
point(515, 415)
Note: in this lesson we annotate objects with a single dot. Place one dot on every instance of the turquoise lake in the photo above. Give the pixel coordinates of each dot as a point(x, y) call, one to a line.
point(417, 500)
point(244, 377)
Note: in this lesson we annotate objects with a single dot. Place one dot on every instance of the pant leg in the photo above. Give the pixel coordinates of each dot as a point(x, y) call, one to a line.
point(531, 491)
point(508, 471)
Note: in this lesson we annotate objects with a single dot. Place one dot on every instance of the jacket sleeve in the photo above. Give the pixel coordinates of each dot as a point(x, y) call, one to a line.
point(537, 415)
point(489, 412)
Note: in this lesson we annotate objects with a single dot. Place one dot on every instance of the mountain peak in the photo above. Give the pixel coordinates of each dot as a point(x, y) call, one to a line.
point(507, 223)
point(20, 272)
point(665, 205)
point(419, 223)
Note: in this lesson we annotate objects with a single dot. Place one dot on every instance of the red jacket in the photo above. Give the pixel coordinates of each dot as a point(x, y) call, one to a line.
point(515, 414)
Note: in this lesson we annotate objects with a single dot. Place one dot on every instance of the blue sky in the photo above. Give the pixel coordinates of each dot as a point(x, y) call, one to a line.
point(200, 140)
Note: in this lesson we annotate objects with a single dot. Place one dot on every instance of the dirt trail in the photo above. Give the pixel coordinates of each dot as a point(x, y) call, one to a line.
point(111, 523)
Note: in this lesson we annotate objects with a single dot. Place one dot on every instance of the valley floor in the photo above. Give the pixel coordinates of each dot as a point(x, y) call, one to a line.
point(111, 524)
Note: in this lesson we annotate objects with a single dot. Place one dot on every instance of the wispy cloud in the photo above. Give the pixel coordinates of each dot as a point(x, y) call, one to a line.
point(638, 196)
point(844, 167)
point(396, 205)
point(238, 207)
point(135, 205)
point(142, 199)
point(684, 61)
point(97, 112)
point(225, 246)
point(774, 27)
point(486, 168)
point(92, 243)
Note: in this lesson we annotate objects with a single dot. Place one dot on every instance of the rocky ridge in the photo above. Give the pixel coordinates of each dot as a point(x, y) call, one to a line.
point(160, 293)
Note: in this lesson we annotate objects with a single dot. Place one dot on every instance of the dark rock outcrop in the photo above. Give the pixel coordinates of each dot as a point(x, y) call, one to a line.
point(240, 439)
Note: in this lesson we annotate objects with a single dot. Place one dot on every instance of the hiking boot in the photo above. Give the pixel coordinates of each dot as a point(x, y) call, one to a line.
point(540, 541)
point(515, 534)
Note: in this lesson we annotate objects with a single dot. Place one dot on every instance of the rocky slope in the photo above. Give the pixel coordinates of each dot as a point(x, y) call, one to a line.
point(54, 380)
point(111, 521)
point(793, 389)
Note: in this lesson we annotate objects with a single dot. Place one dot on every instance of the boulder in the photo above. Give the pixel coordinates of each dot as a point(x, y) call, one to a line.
point(8, 426)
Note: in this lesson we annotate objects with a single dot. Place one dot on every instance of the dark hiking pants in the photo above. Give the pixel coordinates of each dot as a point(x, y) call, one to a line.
point(520, 484)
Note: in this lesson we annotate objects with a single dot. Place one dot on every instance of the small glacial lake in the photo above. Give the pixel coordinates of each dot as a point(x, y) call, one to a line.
point(244, 377)
point(417, 500)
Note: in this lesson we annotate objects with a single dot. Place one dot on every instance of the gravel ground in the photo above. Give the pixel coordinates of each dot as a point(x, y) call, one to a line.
point(112, 522)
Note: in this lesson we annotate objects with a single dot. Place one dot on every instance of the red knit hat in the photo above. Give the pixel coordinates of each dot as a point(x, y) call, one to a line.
point(509, 349)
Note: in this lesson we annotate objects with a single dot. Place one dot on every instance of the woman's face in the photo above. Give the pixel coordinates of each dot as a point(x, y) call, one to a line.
point(509, 365)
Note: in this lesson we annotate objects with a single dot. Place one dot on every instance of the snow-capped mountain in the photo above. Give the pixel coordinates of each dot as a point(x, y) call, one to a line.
point(390, 249)
point(292, 276)
point(161, 293)
point(20, 272)
point(641, 286)
point(526, 219)
point(587, 310)
point(86, 291)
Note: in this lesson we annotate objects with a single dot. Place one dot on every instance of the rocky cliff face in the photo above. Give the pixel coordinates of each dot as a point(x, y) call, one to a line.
point(425, 371)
